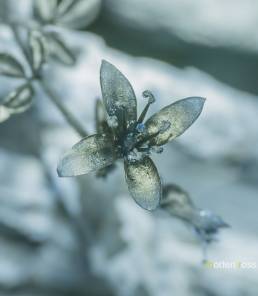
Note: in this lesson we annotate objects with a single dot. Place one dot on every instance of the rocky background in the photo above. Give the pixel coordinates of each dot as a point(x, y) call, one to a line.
point(86, 236)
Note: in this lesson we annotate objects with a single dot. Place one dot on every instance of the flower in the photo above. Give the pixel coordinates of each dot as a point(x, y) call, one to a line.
point(178, 203)
point(128, 138)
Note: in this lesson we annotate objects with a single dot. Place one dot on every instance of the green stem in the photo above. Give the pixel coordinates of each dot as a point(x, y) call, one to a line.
point(66, 113)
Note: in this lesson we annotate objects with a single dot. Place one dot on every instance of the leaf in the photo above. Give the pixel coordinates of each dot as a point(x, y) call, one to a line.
point(143, 182)
point(118, 95)
point(45, 9)
point(9, 66)
point(171, 121)
point(90, 154)
point(39, 49)
point(17, 101)
point(20, 99)
point(59, 49)
point(64, 6)
point(4, 113)
point(77, 14)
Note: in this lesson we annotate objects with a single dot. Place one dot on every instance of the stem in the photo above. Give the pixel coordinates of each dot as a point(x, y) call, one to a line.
point(77, 223)
point(73, 122)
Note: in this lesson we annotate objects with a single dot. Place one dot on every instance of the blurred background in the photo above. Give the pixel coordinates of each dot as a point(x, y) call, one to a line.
point(86, 236)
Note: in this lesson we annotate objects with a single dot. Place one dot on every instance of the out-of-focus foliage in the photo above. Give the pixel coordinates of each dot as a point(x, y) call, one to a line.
point(9, 66)
point(75, 14)
point(178, 203)
point(43, 43)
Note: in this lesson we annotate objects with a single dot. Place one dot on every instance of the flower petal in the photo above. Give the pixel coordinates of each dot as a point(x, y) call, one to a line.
point(101, 118)
point(171, 121)
point(117, 93)
point(177, 202)
point(144, 182)
point(90, 154)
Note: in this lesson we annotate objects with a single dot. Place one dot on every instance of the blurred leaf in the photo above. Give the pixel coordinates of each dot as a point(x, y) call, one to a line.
point(9, 66)
point(64, 6)
point(144, 182)
point(77, 14)
point(39, 49)
point(90, 154)
point(17, 101)
point(4, 113)
point(45, 9)
point(59, 50)
point(171, 121)
point(19, 235)
point(177, 202)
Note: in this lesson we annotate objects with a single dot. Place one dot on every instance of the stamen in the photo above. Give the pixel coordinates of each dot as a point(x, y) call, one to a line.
point(164, 127)
point(122, 124)
point(151, 100)
point(140, 127)
point(156, 149)
point(147, 139)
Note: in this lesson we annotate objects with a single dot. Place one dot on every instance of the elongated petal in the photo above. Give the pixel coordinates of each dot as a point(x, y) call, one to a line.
point(90, 154)
point(10, 66)
point(171, 121)
point(117, 94)
point(144, 183)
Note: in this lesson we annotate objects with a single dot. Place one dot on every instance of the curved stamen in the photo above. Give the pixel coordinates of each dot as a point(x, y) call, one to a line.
point(151, 100)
